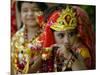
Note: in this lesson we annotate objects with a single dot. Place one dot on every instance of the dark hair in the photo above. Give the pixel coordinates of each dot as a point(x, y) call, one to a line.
point(41, 5)
point(50, 10)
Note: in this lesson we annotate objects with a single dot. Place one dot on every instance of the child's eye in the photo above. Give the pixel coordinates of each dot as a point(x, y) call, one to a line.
point(24, 10)
point(71, 34)
point(60, 35)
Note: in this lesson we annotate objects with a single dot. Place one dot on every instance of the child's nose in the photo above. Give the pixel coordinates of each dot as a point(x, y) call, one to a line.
point(66, 39)
point(30, 13)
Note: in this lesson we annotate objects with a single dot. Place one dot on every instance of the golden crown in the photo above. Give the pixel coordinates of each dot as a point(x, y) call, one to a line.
point(66, 21)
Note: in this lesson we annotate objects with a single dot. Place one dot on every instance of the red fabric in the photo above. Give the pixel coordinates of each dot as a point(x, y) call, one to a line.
point(53, 18)
point(13, 19)
point(49, 37)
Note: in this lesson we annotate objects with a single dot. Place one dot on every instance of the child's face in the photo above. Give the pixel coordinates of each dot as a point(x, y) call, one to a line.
point(65, 37)
point(29, 13)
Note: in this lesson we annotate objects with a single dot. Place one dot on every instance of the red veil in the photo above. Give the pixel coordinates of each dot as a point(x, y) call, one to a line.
point(49, 37)
point(85, 29)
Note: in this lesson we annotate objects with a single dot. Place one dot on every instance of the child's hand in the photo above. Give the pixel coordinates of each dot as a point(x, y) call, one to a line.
point(62, 50)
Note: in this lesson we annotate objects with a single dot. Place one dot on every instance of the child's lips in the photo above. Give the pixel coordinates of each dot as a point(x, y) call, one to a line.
point(30, 19)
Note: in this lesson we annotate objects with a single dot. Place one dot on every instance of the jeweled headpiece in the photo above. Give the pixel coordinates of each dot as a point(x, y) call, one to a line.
point(66, 21)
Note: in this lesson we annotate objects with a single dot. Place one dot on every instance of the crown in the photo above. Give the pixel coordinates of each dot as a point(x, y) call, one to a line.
point(66, 21)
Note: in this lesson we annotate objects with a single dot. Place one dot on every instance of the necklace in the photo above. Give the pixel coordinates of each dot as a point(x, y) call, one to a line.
point(33, 38)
